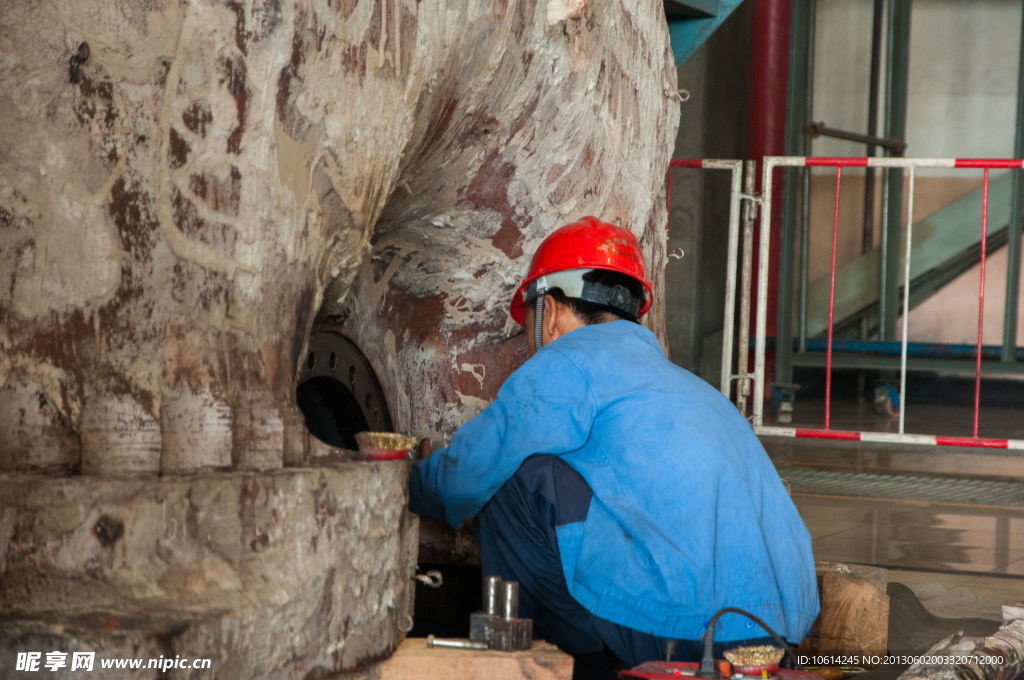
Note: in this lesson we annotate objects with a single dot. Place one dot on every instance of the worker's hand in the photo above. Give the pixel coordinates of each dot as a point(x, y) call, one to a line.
point(425, 451)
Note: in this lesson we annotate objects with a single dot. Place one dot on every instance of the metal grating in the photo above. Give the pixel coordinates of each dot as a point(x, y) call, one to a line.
point(904, 487)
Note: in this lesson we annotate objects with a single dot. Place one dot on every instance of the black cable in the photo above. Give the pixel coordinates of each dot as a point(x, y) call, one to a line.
point(708, 667)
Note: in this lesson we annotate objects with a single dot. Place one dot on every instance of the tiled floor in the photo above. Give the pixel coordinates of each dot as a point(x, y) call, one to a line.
point(916, 535)
point(960, 559)
point(955, 595)
point(942, 419)
point(874, 458)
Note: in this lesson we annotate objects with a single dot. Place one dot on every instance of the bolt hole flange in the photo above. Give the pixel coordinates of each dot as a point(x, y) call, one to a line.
point(107, 530)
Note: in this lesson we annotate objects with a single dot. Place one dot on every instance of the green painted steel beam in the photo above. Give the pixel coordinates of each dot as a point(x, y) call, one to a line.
point(951, 233)
point(896, 83)
point(796, 106)
point(1017, 216)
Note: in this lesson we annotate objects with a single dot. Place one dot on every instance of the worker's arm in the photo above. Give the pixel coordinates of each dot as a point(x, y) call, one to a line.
point(547, 406)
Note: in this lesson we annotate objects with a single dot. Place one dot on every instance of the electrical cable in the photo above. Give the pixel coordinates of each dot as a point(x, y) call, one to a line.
point(708, 667)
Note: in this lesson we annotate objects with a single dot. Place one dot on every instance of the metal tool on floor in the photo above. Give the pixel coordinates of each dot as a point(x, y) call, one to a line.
point(456, 643)
point(497, 625)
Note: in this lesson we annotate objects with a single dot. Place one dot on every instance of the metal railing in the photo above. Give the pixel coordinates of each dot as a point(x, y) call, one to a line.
point(909, 165)
point(737, 195)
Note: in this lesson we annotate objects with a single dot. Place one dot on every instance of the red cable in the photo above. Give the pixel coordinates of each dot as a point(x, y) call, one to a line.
point(981, 298)
point(832, 304)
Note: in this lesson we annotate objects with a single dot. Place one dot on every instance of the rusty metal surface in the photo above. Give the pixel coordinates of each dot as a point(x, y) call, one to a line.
point(440, 544)
point(213, 193)
point(222, 172)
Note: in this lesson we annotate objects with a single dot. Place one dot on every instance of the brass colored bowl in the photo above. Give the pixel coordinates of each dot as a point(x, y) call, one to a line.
point(381, 444)
point(762, 655)
point(385, 440)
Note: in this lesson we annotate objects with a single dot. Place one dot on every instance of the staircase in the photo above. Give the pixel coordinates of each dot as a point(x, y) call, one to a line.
point(945, 245)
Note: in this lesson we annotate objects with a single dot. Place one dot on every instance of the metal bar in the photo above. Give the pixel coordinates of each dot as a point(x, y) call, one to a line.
point(769, 165)
point(805, 254)
point(892, 362)
point(819, 129)
point(868, 234)
point(455, 643)
point(509, 599)
point(914, 349)
point(897, 67)
point(906, 301)
point(832, 303)
point(1016, 218)
point(891, 438)
point(981, 297)
point(730, 279)
point(743, 362)
point(760, 345)
point(868, 223)
point(787, 252)
point(805, 174)
point(686, 163)
point(795, 105)
point(728, 329)
point(894, 162)
point(492, 584)
point(992, 163)
point(702, 163)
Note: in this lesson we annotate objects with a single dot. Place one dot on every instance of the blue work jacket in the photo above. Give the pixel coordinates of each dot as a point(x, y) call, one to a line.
point(688, 514)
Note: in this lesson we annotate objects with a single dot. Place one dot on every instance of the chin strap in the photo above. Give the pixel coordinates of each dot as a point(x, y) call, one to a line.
point(538, 314)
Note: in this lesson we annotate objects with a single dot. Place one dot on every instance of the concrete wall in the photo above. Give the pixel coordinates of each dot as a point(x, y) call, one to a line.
point(952, 314)
point(962, 98)
point(963, 75)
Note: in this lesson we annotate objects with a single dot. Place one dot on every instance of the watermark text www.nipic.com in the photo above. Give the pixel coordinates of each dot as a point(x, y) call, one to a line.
point(86, 661)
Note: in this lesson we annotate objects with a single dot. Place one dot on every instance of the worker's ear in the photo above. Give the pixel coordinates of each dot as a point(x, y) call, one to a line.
point(553, 313)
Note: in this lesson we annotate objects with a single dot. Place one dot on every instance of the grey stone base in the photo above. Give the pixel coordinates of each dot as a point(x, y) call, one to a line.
point(294, 573)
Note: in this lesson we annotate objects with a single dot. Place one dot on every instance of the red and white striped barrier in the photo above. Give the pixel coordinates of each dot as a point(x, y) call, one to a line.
point(891, 438)
point(843, 162)
point(910, 165)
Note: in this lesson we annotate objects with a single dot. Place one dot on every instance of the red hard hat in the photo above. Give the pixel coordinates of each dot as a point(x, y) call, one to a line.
point(587, 244)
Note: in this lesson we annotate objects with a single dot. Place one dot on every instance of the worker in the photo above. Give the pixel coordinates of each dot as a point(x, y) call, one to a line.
point(629, 498)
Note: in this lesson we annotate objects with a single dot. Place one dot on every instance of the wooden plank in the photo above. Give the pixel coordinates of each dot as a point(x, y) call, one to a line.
point(413, 660)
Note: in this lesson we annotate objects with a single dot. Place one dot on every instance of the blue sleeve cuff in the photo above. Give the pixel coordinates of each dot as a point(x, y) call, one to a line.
point(423, 497)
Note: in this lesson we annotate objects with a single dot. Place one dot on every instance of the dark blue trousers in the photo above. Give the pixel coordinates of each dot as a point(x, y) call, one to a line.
point(518, 543)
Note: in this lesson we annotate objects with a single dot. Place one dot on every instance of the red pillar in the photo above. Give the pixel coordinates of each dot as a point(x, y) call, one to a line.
point(769, 71)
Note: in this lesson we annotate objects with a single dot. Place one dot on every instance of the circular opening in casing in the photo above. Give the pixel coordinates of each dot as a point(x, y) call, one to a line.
point(333, 411)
